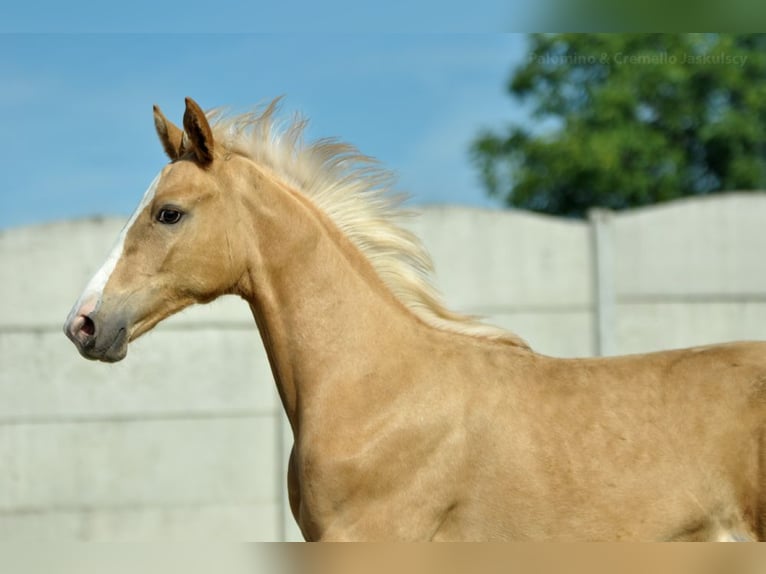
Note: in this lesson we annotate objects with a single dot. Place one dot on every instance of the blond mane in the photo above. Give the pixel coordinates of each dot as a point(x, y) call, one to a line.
point(358, 196)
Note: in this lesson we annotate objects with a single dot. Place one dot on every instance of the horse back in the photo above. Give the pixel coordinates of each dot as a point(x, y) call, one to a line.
point(665, 445)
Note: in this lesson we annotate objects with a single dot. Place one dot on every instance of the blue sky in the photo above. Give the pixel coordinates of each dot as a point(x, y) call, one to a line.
point(75, 109)
point(259, 16)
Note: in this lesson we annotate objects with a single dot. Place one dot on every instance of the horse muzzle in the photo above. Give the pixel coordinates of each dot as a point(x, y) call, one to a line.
point(98, 338)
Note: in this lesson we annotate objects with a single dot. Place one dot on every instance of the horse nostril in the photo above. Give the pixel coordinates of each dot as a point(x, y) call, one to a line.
point(88, 326)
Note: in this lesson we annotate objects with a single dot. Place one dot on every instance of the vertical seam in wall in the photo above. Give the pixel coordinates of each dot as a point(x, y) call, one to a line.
point(602, 241)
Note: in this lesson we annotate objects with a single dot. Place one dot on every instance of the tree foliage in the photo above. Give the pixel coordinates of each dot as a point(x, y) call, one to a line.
point(630, 120)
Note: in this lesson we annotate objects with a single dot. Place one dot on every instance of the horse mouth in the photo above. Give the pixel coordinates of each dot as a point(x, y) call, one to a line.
point(108, 352)
point(117, 350)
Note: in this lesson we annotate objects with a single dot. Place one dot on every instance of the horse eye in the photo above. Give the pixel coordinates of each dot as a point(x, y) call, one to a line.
point(169, 216)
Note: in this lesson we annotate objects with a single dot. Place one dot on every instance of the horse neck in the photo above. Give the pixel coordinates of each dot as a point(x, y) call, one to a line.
point(324, 314)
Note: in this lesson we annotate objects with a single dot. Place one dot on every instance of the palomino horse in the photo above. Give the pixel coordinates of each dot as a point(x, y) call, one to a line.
point(412, 422)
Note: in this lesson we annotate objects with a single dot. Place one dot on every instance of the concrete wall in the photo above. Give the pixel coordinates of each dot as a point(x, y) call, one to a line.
point(180, 440)
point(185, 439)
point(690, 273)
point(529, 273)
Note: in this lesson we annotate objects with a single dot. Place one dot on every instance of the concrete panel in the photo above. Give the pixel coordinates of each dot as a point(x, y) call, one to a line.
point(247, 522)
point(558, 334)
point(165, 373)
point(658, 326)
point(51, 264)
point(251, 522)
point(489, 259)
point(115, 558)
point(40, 527)
point(164, 462)
point(714, 245)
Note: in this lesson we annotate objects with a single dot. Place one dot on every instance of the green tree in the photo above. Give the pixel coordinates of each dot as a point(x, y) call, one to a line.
point(629, 120)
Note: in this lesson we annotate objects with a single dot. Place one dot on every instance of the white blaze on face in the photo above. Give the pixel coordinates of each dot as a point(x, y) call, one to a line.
point(91, 296)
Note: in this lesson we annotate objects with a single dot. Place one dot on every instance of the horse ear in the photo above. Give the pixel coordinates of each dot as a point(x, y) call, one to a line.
point(170, 135)
point(198, 132)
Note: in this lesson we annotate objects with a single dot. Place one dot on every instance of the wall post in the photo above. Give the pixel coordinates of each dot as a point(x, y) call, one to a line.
point(605, 300)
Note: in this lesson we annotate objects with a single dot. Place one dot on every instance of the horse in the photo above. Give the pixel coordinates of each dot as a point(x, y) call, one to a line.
point(411, 421)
